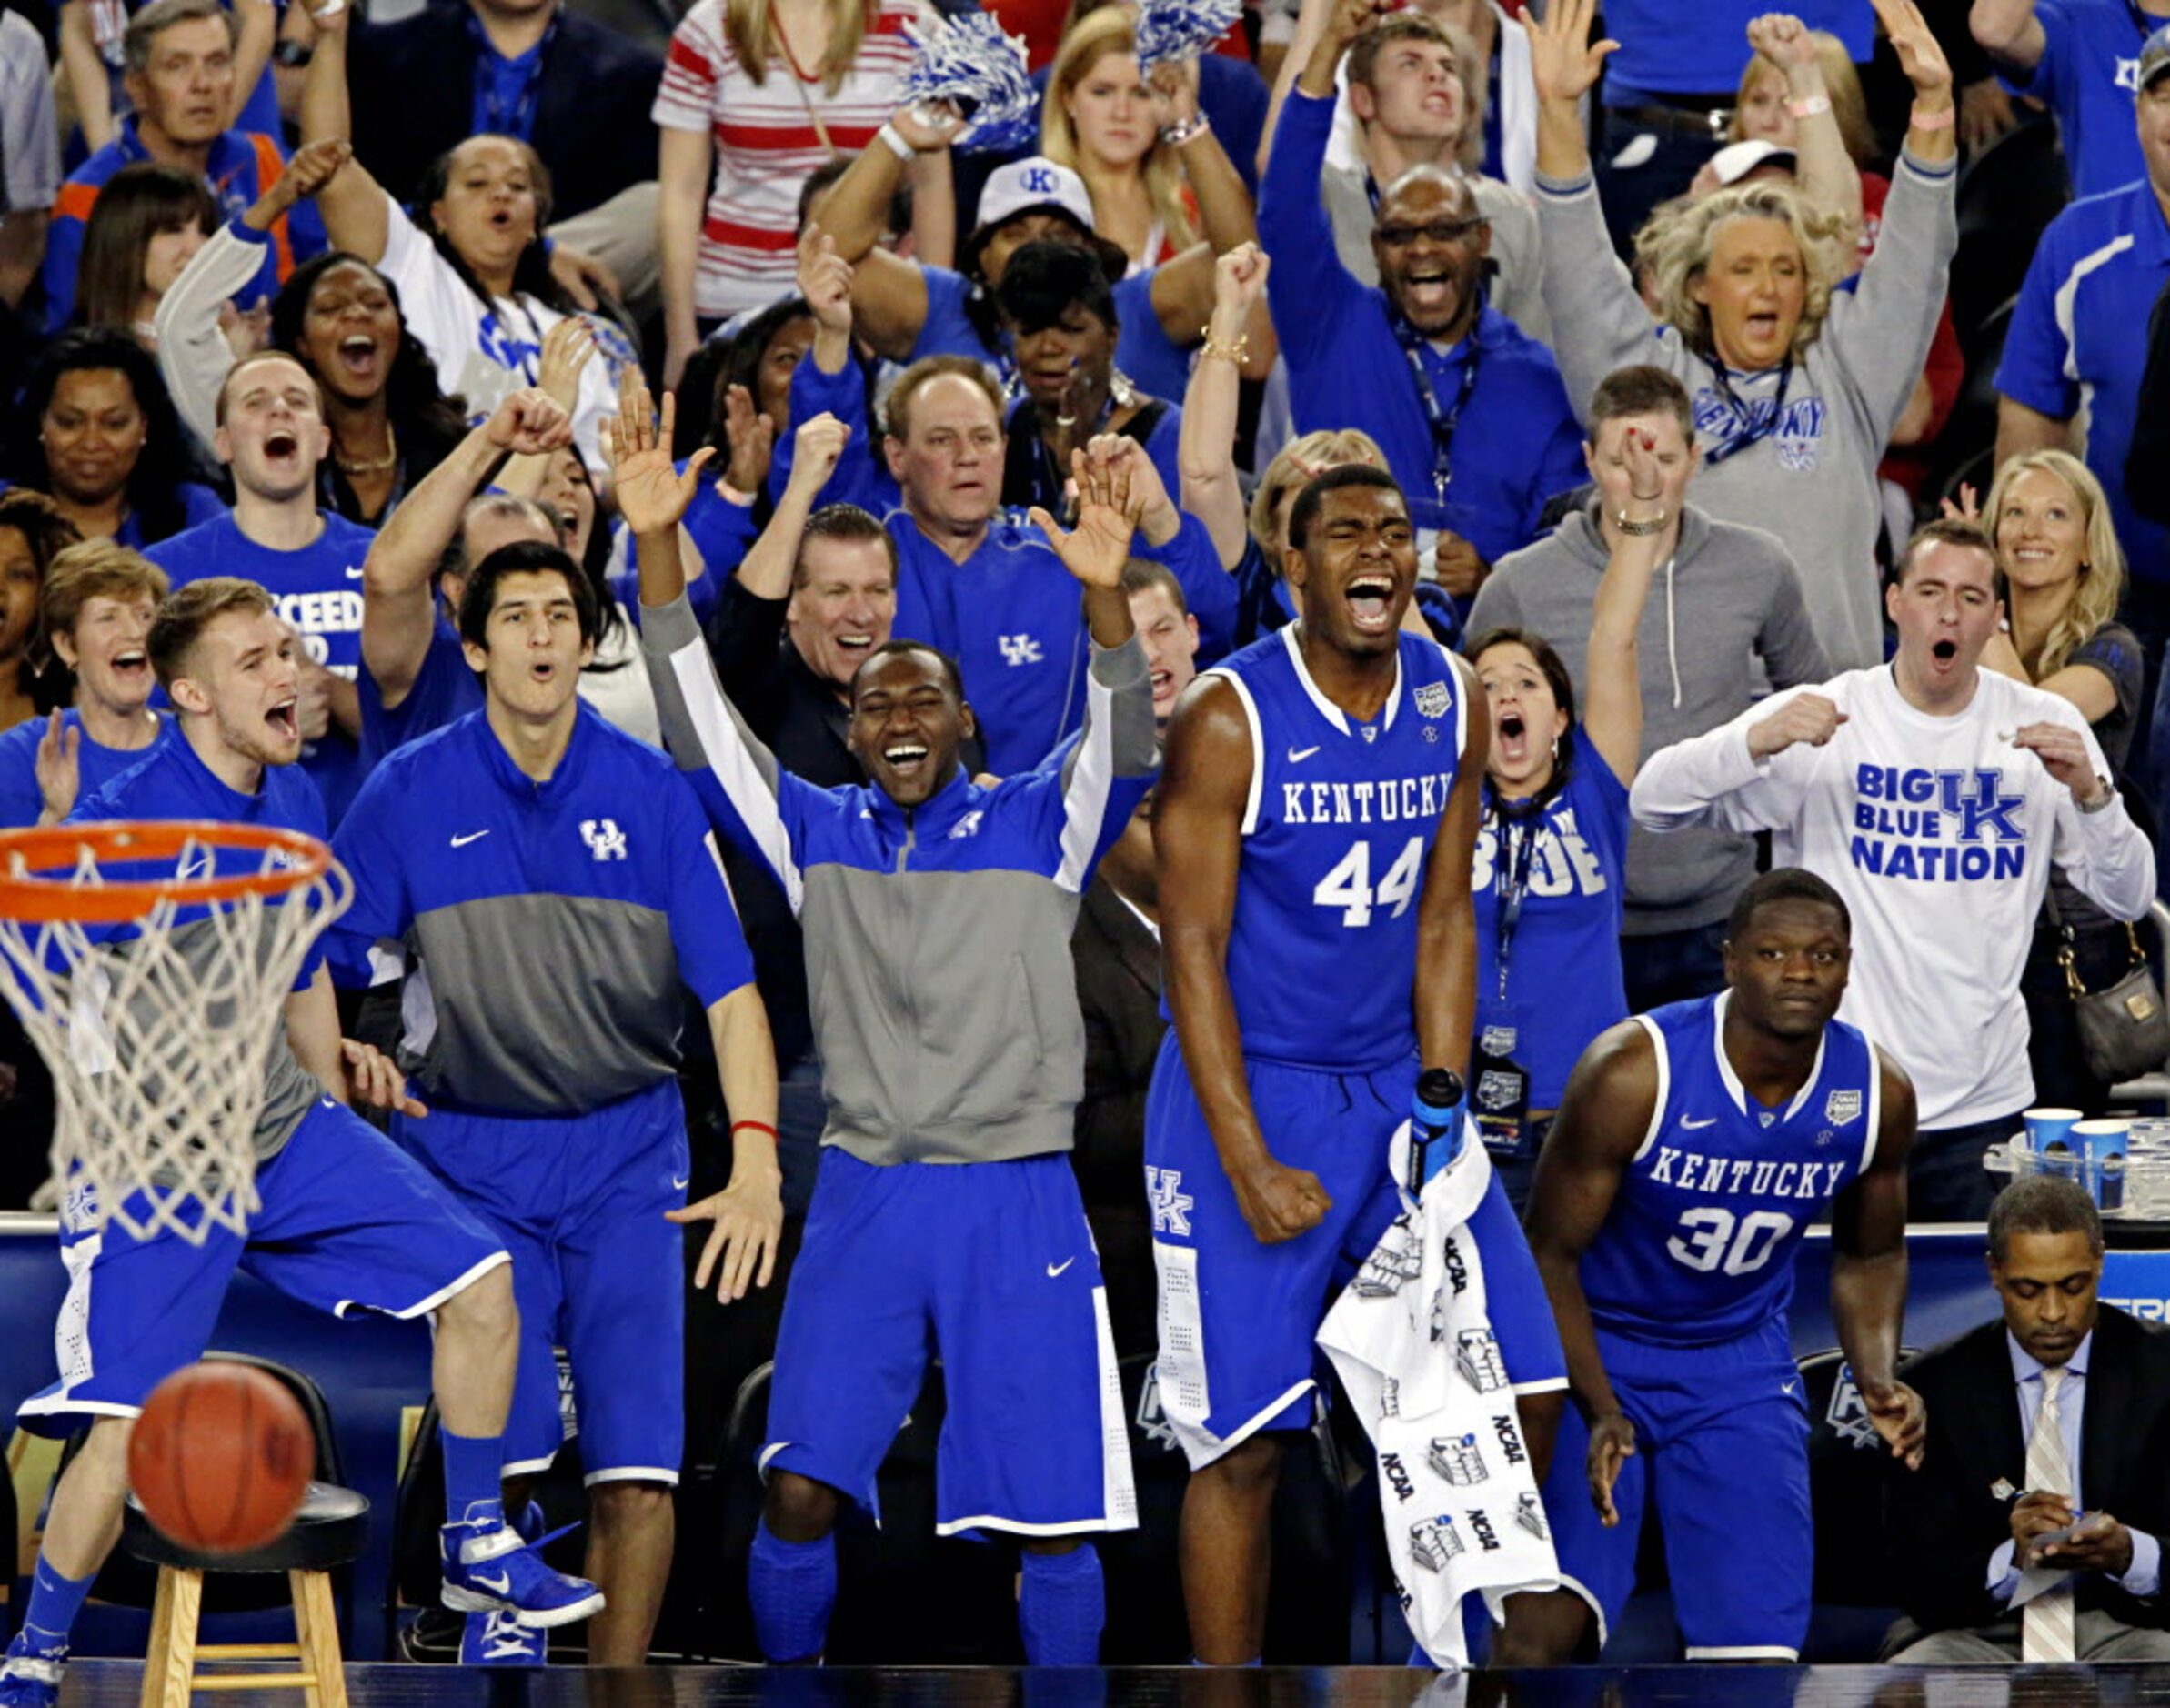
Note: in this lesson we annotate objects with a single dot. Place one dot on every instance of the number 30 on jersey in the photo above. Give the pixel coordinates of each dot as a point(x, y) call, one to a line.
point(1348, 887)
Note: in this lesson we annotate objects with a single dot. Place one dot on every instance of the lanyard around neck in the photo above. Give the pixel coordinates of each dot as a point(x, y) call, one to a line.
point(1442, 421)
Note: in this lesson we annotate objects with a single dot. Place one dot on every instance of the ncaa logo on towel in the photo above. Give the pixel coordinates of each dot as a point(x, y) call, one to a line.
point(1040, 180)
point(1842, 1107)
point(1431, 700)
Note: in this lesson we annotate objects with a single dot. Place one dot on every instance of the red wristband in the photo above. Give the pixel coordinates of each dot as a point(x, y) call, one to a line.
point(758, 1126)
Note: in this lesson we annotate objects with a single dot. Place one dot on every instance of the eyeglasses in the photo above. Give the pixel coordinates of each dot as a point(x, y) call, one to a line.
point(1438, 231)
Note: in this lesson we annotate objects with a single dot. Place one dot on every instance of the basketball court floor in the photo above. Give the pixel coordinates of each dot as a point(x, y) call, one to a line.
point(115, 1684)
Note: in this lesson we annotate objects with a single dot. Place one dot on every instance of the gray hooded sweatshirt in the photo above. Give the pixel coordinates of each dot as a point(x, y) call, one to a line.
point(1728, 597)
point(1812, 480)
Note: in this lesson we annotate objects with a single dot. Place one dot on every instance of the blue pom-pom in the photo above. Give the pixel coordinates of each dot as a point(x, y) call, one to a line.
point(967, 60)
point(1170, 30)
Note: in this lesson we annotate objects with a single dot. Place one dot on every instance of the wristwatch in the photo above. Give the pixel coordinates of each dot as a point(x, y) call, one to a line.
point(2105, 791)
point(295, 53)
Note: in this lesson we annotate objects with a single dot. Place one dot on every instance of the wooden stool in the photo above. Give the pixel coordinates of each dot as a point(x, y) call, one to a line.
point(328, 1531)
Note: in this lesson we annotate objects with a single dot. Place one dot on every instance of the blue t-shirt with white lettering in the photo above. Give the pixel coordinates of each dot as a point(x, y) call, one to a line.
point(1564, 983)
point(1700, 47)
point(2088, 73)
point(318, 589)
point(1698, 1246)
point(2079, 339)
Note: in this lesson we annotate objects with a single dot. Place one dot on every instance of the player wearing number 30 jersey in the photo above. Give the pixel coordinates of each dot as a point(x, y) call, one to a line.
point(1695, 1145)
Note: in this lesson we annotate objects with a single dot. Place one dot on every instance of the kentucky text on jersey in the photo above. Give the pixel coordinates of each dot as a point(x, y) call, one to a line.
point(1692, 1171)
point(1947, 827)
point(1395, 799)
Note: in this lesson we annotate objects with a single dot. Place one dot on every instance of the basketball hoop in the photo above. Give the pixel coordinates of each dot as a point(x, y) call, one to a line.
point(150, 963)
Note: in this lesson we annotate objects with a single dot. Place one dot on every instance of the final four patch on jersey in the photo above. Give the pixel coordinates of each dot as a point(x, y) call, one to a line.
point(1842, 1107)
point(1431, 700)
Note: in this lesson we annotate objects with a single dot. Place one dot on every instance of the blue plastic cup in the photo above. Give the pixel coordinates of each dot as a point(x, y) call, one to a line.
point(2048, 1129)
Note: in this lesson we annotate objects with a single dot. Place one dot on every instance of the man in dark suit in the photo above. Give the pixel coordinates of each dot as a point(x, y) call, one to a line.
point(534, 69)
point(2031, 1532)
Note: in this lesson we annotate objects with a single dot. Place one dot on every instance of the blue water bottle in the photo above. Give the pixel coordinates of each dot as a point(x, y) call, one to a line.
point(1435, 1124)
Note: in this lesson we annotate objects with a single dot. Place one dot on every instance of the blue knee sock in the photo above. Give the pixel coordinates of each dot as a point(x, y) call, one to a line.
point(474, 1465)
point(55, 1602)
point(793, 1588)
point(1061, 1608)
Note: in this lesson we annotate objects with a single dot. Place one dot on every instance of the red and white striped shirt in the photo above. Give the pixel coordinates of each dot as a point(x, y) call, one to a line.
point(766, 143)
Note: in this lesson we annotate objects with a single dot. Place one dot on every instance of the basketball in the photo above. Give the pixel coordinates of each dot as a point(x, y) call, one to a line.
point(221, 1458)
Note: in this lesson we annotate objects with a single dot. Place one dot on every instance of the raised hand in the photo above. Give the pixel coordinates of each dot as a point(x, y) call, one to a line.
point(1174, 83)
point(1096, 550)
point(652, 495)
point(752, 439)
point(59, 773)
point(529, 423)
point(1240, 280)
point(1920, 57)
point(1151, 506)
point(1350, 18)
point(1565, 63)
point(1808, 718)
point(927, 126)
point(315, 165)
point(1782, 39)
point(567, 348)
point(1646, 481)
point(817, 447)
point(824, 279)
point(329, 16)
point(1967, 509)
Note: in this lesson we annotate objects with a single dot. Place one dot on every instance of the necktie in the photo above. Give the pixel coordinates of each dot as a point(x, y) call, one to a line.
point(2045, 1623)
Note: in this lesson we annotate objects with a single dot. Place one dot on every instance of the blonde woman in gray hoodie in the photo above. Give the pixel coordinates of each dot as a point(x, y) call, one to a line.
point(1795, 387)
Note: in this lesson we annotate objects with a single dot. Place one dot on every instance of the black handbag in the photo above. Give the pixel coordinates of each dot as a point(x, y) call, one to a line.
point(2124, 1029)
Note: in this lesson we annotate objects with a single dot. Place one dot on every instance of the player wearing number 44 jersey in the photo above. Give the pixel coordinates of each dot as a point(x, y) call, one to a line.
point(1314, 836)
point(1695, 1145)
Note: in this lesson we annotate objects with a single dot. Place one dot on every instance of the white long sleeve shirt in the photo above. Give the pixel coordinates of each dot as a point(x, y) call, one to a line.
point(1940, 834)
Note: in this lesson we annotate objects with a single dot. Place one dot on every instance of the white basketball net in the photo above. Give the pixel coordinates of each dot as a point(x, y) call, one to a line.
point(158, 1045)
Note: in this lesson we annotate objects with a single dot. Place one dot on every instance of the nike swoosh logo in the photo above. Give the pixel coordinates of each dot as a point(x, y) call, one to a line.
point(1787, 1387)
point(354, 572)
point(472, 835)
point(679, 1185)
point(1297, 755)
point(1690, 1123)
point(1056, 1268)
point(500, 1585)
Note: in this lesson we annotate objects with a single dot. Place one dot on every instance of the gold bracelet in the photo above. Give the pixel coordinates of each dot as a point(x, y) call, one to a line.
point(1235, 352)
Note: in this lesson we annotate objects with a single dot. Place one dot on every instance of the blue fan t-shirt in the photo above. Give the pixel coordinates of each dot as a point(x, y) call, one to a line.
point(318, 589)
point(21, 802)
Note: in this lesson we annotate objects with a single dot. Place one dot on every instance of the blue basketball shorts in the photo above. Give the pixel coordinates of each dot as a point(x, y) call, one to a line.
point(580, 1202)
point(348, 1221)
point(1722, 1448)
point(990, 1267)
point(1239, 1318)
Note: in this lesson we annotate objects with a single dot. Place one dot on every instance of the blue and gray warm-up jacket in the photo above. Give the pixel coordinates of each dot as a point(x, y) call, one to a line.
point(938, 939)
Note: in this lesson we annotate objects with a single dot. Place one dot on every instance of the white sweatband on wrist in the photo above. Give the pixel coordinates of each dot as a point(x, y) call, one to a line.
point(891, 138)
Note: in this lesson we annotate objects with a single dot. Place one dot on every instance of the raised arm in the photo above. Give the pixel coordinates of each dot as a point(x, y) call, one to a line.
point(1311, 289)
point(767, 571)
point(1564, 65)
point(1610, 1100)
point(888, 295)
point(87, 84)
point(1446, 991)
point(1868, 1270)
point(256, 28)
point(398, 603)
point(1725, 778)
point(1612, 709)
point(192, 352)
point(1205, 449)
point(355, 209)
point(1224, 207)
point(2009, 34)
point(1825, 172)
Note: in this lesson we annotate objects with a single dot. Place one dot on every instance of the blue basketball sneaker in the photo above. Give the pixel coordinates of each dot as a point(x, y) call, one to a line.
point(30, 1675)
point(499, 1639)
point(488, 1568)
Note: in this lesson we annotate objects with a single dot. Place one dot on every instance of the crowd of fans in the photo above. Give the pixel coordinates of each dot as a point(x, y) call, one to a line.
point(345, 299)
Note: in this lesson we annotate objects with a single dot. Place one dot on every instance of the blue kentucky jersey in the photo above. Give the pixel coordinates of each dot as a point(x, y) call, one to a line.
point(1699, 1245)
point(1322, 956)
